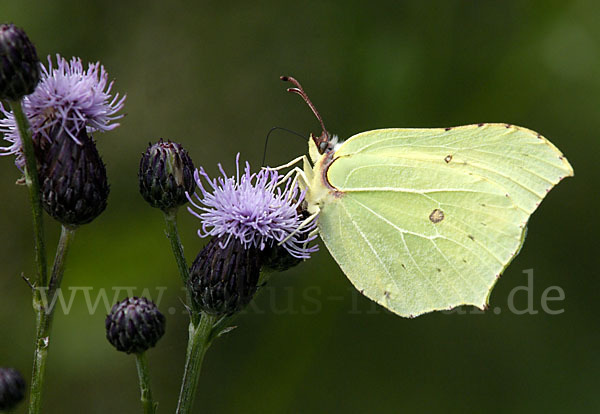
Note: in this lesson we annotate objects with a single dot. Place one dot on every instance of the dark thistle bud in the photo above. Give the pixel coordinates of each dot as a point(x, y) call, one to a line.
point(277, 259)
point(12, 388)
point(224, 279)
point(73, 178)
point(166, 173)
point(134, 325)
point(19, 64)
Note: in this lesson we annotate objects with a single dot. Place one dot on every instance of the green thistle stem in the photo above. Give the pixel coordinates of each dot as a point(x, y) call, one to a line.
point(44, 302)
point(43, 319)
point(33, 185)
point(200, 337)
point(200, 328)
point(141, 362)
point(177, 247)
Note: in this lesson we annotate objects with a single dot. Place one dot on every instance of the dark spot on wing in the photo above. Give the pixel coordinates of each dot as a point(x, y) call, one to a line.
point(471, 237)
point(447, 129)
point(480, 125)
point(482, 205)
point(464, 260)
point(438, 269)
point(404, 267)
point(448, 158)
point(507, 125)
point(386, 294)
point(539, 136)
point(436, 216)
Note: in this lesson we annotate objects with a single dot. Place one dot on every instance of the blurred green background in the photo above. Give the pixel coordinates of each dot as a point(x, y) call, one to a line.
point(206, 74)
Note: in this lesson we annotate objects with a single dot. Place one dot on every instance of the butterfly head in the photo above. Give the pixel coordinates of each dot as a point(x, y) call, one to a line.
point(325, 143)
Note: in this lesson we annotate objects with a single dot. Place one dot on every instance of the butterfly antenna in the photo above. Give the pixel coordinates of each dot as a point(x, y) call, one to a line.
point(324, 138)
point(269, 134)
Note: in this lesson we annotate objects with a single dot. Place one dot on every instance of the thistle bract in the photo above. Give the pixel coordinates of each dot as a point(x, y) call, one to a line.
point(134, 325)
point(73, 181)
point(67, 97)
point(224, 279)
point(259, 210)
point(12, 388)
point(19, 64)
point(165, 175)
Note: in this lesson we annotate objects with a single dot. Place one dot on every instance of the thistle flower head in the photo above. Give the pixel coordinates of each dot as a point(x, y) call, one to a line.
point(73, 182)
point(165, 175)
point(19, 64)
point(134, 325)
point(67, 96)
point(12, 388)
point(260, 210)
point(224, 280)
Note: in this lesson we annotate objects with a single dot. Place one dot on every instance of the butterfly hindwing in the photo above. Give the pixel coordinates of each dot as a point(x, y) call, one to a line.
point(427, 219)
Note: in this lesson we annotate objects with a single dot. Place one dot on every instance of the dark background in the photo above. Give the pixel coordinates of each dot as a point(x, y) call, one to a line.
point(206, 74)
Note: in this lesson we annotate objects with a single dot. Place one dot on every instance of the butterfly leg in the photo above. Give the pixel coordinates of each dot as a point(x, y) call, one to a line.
point(305, 174)
point(302, 158)
point(304, 223)
point(314, 232)
point(300, 177)
point(294, 171)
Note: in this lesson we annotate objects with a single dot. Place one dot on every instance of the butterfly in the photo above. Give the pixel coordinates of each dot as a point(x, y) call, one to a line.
point(421, 220)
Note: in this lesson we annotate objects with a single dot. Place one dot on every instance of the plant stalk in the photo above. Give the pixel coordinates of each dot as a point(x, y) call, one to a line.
point(33, 185)
point(200, 337)
point(177, 247)
point(44, 302)
point(141, 362)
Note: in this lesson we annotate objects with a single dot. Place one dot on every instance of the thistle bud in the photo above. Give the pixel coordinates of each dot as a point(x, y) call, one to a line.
point(73, 178)
point(19, 64)
point(134, 325)
point(166, 173)
point(12, 388)
point(224, 279)
point(277, 259)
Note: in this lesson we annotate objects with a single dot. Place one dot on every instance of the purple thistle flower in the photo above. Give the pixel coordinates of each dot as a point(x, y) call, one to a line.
point(67, 96)
point(257, 209)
